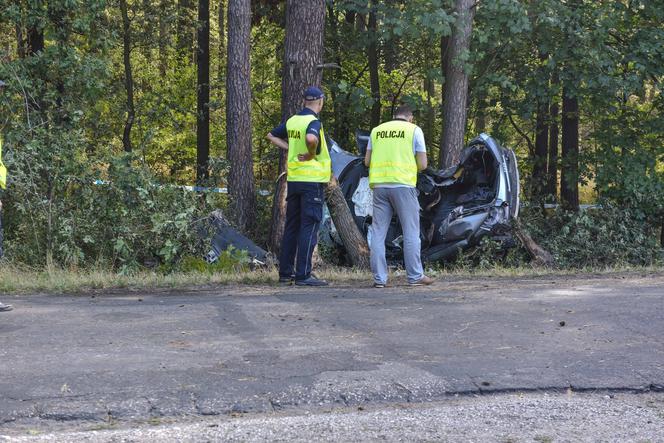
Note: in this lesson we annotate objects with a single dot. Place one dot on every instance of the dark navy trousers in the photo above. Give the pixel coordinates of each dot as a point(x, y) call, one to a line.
point(304, 212)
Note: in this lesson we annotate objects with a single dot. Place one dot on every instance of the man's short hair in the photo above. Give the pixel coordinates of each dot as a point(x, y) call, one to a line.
point(404, 111)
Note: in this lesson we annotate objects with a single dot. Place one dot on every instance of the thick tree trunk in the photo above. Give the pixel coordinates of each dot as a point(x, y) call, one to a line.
point(305, 23)
point(129, 80)
point(552, 167)
point(238, 115)
point(569, 179)
point(374, 81)
point(354, 242)
point(203, 93)
point(455, 95)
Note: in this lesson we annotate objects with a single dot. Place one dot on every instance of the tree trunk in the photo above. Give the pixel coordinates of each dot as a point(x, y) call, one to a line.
point(430, 118)
point(203, 93)
point(552, 167)
point(541, 151)
point(238, 115)
point(540, 157)
point(305, 23)
point(353, 240)
point(455, 95)
point(569, 179)
point(129, 80)
point(222, 41)
point(374, 81)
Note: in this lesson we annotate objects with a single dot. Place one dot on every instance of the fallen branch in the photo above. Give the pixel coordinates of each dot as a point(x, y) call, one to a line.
point(541, 256)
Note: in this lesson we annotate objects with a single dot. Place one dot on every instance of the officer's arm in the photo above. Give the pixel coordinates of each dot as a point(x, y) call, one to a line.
point(312, 144)
point(421, 158)
point(279, 142)
point(367, 158)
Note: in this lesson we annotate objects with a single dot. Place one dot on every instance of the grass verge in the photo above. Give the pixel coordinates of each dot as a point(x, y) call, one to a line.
point(14, 280)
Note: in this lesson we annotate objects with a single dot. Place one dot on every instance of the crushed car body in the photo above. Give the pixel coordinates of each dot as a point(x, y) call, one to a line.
point(478, 197)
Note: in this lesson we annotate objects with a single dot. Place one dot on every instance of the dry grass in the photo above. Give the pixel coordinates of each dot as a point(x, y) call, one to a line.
point(15, 280)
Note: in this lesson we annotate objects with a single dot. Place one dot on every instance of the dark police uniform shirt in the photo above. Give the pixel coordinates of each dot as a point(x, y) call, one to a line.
point(313, 128)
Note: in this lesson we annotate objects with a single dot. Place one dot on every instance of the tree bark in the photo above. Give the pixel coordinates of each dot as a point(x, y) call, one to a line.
point(569, 179)
point(203, 93)
point(455, 95)
point(354, 242)
point(238, 115)
point(305, 23)
point(129, 80)
point(552, 167)
point(374, 80)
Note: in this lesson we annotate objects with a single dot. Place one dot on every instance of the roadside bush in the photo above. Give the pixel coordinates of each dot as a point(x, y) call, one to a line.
point(74, 211)
point(607, 236)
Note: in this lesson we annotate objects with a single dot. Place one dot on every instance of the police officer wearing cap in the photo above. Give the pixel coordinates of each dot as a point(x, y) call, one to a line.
point(3, 184)
point(309, 170)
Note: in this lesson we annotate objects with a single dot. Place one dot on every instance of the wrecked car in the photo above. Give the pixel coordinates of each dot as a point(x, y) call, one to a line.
point(459, 206)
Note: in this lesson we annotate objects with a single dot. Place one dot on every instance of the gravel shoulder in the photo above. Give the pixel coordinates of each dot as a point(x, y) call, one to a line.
point(516, 417)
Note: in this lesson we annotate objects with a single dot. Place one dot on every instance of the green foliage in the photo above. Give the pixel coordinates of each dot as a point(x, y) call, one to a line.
point(60, 214)
point(606, 236)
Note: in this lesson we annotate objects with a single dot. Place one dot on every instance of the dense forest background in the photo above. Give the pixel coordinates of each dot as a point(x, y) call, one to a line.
point(110, 102)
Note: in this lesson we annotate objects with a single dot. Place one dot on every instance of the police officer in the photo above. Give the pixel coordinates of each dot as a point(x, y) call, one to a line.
point(395, 153)
point(309, 170)
point(3, 184)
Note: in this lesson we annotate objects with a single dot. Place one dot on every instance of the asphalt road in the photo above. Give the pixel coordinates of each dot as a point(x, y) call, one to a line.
point(76, 362)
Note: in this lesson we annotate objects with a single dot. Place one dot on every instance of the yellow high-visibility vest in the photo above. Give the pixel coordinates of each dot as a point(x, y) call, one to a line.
point(392, 158)
point(3, 170)
point(316, 170)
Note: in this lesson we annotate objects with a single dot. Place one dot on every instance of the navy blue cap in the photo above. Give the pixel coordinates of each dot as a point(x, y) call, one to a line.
point(313, 93)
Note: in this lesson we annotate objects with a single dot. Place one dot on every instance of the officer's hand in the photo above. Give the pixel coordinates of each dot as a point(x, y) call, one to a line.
point(305, 157)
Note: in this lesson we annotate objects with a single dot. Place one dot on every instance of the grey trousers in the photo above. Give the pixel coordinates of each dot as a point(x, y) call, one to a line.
point(404, 202)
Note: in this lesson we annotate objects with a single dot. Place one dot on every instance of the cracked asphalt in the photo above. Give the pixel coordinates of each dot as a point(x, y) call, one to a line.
point(90, 361)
